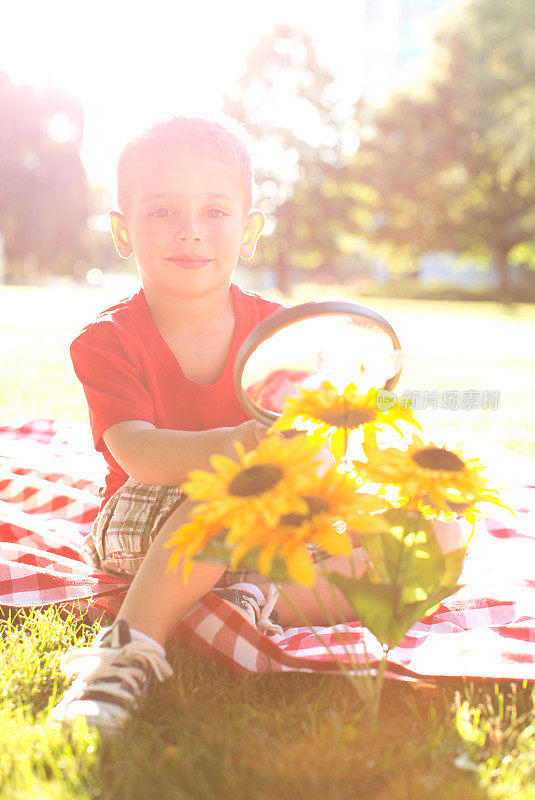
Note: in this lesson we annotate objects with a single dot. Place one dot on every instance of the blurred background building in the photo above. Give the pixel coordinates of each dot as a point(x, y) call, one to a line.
point(397, 42)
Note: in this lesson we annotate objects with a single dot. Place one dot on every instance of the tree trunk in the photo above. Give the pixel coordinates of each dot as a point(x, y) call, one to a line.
point(504, 274)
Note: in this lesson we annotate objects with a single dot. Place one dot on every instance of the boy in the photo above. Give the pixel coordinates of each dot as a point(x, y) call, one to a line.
point(157, 374)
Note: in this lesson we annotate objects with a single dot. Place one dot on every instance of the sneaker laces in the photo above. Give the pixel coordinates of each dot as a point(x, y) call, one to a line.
point(107, 663)
point(262, 611)
point(265, 624)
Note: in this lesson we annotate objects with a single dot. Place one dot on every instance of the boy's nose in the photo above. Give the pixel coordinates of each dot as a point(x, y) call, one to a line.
point(187, 229)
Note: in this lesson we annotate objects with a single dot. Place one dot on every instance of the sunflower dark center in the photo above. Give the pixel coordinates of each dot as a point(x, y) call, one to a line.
point(438, 459)
point(457, 506)
point(315, 506)
point(293, 520)
point(255, 480)
point(348, 417)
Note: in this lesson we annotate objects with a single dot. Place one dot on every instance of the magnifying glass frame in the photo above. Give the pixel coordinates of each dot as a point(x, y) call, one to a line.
point(286, 316)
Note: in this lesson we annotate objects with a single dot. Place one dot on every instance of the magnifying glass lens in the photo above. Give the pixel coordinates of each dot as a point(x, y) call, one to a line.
point(305, 346)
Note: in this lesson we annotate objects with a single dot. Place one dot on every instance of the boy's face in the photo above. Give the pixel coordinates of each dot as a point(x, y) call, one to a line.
point(187, 224)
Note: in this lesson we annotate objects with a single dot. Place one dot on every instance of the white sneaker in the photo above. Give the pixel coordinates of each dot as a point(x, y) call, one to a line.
point(249, 600)
point(113, 675)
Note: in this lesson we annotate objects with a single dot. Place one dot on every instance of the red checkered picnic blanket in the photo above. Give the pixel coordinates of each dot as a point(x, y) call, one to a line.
point(48, 499)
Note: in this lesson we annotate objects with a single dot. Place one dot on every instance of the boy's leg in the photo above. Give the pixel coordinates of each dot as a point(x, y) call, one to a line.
point(298, 606)
point(157, 600)
point(170, 598)
point(116, 671)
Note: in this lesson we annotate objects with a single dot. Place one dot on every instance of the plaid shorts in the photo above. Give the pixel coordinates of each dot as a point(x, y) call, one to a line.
point(128, 524)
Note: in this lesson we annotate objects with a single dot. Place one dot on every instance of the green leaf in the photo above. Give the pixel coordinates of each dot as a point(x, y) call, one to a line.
point(381, 609)
point(454, 563)
point(374, 603)
point(215, 550)
point(408, 555)
point(278, 572)
point(412, 612)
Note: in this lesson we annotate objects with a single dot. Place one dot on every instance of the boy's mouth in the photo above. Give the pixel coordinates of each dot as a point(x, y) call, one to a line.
point(189, 262)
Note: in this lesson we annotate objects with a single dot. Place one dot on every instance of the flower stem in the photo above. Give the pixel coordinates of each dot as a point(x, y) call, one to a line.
point(352, 677)
point(361, 676)
point(379, 682)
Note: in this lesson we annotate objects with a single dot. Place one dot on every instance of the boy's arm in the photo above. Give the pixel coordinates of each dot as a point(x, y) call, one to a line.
point(152, 455)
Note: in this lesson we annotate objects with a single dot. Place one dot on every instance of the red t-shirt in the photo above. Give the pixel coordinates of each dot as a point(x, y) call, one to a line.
point(128, 372)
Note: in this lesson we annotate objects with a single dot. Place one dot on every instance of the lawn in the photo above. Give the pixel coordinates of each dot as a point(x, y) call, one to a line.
point(448, 346)
point(207, 735)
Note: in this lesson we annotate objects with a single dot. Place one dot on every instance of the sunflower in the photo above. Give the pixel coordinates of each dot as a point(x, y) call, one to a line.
point(188, 541)
point(432, 479)
point(289, 542)
point(336, 497)
point(325, 409)
point(262, 486)
point(333, 506)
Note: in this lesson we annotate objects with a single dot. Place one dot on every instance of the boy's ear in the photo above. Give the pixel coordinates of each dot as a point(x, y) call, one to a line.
point(120, 234)
point(254, 225)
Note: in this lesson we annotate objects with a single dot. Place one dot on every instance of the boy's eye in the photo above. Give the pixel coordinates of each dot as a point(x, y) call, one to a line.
point(215, 213)
point(161, 212)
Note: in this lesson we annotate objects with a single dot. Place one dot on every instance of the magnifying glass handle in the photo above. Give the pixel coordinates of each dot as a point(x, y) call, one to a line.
point(291, 433)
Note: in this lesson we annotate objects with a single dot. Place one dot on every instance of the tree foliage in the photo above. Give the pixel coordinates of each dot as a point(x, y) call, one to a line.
point(289, 103)
point(509, 35)
point(436, 169)
point(43, 185)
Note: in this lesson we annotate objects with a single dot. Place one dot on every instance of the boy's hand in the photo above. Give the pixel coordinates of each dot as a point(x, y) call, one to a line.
point(153, 455)
point(248, 433)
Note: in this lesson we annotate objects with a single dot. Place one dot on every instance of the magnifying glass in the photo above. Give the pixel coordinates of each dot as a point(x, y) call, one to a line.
point(303, 346)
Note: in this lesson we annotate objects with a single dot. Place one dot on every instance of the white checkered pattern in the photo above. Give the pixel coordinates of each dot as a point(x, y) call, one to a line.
point(48, 479)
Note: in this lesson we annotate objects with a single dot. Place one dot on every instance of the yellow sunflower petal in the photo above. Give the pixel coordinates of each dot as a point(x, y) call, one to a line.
point(369, 524)
point(237, 554)
point(425, 475)
point(226, 467)
point(188, 566)
point(174, 560)
point(329, 539)
point(338, 443)
point(300, 567)
point(265, 558)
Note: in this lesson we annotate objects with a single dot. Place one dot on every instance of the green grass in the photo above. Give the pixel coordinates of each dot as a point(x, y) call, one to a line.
point(460, 346)
point(207, 735)
point(463, 347)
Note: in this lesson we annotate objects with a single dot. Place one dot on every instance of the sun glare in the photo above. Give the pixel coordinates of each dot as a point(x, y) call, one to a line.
point(130, 68)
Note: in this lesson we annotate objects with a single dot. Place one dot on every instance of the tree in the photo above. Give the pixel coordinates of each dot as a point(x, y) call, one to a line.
point(509, 35)
point(432, 172)
point(289, 103)
point(43, 186)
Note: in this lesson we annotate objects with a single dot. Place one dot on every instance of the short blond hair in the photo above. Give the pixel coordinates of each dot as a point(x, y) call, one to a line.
point(222, 139)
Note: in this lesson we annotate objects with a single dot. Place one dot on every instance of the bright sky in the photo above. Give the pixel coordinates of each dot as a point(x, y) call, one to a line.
point(132, 63)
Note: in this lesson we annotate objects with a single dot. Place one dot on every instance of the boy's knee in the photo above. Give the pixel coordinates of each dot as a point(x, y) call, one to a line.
point(177, 517)
point(352, 566)
point(450, 535)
